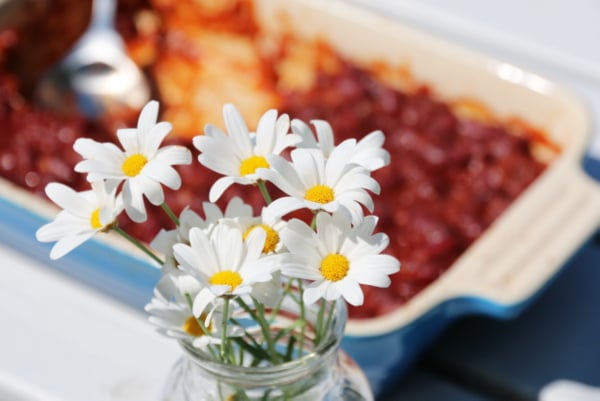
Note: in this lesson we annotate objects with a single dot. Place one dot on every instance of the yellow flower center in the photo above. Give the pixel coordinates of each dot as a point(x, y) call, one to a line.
point(226, 277)
point(251, 164)
point(134, 164)
point(319, 194)
point(95, 219)
point(272, 237)
point(192, 327)
point(334, 267)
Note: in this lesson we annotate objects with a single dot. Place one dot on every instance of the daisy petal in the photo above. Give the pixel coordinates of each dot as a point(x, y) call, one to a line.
point(67, 244)
point(351, 292)
point(204, 298)
point(282, 206)
point(148, 116)
point(218, 187)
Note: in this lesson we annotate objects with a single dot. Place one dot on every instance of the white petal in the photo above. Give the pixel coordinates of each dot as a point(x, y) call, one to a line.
point(351, 291)
point(283, 175)
point(218, 187)
point(284, 140)
point(324, 135)
point(237, 128)
point(255, 243)
point(150, 188)
point(200, 242)
point(216, 162)
point(67, 244)
point(332, 291)
point(134, 203)
point(300, 271)
point(211, 212)
point(265, 133)
point(63, 225)
point(174, 155)
point(329, 233)
point(229, 246)
point(166, 175)
point(299, 238)
point(309, 165)
point(237, 208)
point(302, 129)
point(68, 199)
point(337, 161)
point(93, 150)
point(313, 294)
point(148, 116)
point(282, 206)
point(365, 229)
point(204, 298)
point(154, 137)
point(375, 265)
point(359, 196)
point(130, 140)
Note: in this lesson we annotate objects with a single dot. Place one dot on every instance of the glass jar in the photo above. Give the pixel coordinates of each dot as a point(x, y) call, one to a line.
point(324, 373)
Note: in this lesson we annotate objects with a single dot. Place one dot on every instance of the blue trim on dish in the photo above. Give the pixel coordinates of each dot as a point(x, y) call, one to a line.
point(384, 358)
point(109, 270)
point(387, 357)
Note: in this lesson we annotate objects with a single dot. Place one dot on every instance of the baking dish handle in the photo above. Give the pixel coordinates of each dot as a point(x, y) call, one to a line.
point(532, 242)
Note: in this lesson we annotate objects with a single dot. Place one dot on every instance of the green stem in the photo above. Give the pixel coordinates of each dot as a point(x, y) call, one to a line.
point(330, 315)
point(170, 213)
point(313, 222)
point(224, 325)
point(286, 292)
point(264, 191)
point(319, 322)
point(138, 245)
point(259, 317)
point(302, 318)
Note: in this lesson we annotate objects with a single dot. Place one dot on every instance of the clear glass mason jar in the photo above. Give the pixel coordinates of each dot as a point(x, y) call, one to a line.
point(324, 373)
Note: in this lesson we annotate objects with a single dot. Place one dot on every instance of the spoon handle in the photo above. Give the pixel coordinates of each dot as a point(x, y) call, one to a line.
point(103, 14)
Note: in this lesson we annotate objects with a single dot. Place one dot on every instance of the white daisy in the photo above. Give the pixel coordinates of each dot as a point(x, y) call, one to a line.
point(143, 166)
point(224, 262)
point(171, 312)
point(337, 258)
point(317, 183)
point(84, 214)
point(239, 155)
point(165, 239)
point(324, 135)
point(270, 223)
point(368, 152)
point(236, 209)
point(176, 284)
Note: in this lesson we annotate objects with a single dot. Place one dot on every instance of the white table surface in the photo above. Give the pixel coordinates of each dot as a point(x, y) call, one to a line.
point(59, 340)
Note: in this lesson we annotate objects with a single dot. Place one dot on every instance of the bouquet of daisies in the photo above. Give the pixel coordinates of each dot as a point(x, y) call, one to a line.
point(224, 263)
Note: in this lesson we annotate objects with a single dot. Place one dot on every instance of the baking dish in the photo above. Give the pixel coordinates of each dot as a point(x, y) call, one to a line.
point(497, 276)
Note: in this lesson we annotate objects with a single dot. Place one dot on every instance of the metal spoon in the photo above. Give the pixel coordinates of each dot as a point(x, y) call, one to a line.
point(96, 77)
